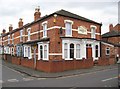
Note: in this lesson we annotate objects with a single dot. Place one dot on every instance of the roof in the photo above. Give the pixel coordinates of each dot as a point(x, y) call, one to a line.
point(35, 41)
point(75, 16)
point(61, 13)
point(113, 33)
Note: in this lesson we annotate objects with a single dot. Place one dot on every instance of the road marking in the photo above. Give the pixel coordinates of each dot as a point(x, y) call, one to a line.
point(109, 79)
point(13, 80)
point(27, 79)
point(41, 78)
point(67, 76)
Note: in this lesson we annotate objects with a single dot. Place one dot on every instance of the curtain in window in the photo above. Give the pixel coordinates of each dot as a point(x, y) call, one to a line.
point(45, 51)
point(68, 28)
point(66, 50)
point(45, 29)
point(78, 51)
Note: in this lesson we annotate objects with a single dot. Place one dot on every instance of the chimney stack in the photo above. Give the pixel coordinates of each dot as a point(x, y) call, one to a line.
point(37, 13)
point(20, 23)
point(4, 31)
point(10, 28)
point(110, 27)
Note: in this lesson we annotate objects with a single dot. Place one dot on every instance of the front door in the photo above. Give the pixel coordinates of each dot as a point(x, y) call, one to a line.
point(88, 51)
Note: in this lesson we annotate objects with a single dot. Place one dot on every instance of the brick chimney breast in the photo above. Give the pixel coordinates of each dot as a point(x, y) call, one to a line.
point(110, 27)
point(20, 23)
point(10, 27)
point(37, 13)
point(4, 31)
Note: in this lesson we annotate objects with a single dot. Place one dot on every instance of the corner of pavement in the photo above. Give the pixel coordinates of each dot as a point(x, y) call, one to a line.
point(41, 74)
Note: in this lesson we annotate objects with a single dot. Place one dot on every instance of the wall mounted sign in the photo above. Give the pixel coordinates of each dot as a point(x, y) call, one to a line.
point(82, 30)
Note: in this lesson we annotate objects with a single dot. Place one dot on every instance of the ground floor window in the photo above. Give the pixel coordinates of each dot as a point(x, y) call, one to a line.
point(43, 51)
point(96, 51)
point(12, 51)
point(71, 50)
point(78, 51)
point(107, 51)
point(27, 51)
point(66, 50)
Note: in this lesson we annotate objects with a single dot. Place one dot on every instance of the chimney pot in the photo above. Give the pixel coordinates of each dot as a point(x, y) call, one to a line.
point(10, 27)
point(20, 23)
point(110, 27)
point(4, 31)
point(37, 13)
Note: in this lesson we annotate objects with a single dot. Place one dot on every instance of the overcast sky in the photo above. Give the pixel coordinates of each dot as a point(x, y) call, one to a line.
point(105, 11)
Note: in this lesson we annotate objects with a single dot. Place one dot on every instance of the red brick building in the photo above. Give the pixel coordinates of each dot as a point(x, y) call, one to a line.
point(53, 43)
point(111, 43)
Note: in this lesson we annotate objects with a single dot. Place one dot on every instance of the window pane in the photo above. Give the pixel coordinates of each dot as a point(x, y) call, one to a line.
point(65, 50)
point(45, 51)
point(45, 30)
point(41, 52)
point(96, 51)
point(68, 28)
point(28, 51)
point(71, 50)
point(78, 51)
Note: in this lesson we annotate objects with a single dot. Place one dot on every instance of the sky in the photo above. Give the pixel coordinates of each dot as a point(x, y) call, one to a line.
point(102, 11)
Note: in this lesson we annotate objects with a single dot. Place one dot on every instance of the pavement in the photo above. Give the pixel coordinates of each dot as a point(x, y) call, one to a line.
point(41, 74)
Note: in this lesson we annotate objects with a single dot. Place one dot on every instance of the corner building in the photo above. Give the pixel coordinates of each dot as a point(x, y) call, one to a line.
point(54, 43)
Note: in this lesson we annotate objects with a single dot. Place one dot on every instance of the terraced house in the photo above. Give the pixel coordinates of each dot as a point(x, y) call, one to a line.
point(53, 43)
point(111, 43)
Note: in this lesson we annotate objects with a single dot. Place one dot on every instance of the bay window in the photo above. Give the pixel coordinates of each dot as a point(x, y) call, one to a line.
point(71, 50)
point(65, 50)
point(43, 51)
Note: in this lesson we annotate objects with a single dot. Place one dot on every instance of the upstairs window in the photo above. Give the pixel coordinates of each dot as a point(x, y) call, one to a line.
point(68, 27)
point(8, 39)
point(93, 31)
point(21, 35)
point(12, 38)
point(44, 24)
point(28, 34)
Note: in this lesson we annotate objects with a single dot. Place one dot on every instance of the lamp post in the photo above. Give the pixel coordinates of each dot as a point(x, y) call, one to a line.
point(34, 47)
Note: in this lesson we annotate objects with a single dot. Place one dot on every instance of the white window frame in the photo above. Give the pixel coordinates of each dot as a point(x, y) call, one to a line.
point(68, 21)
point(28, 30)
point(43, 44)
point(12, 38)
point(21, 35)
point(12, 50)
point(79, 50)
point(26, 51)
point(93, 31)
point(44, 30)
point(8, 39)
point(107, 49)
